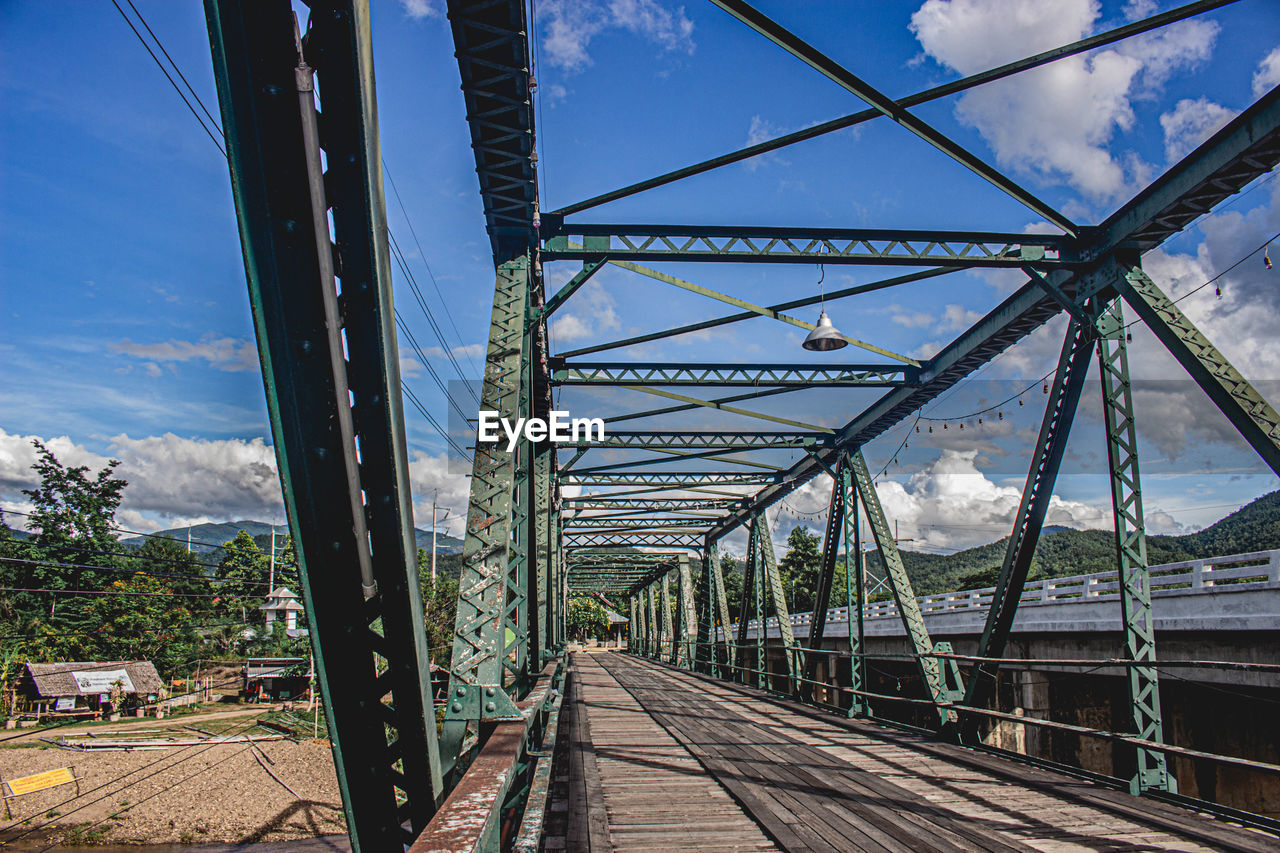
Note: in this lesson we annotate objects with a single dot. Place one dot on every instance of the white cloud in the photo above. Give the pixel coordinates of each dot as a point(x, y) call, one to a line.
point(570, 25)
point(594, 311)
point(1267, 76)
point(1190, 123)
point(169, 477)
point(420, 9)
point(1058, 121)
point(430, 475)
point(229, 354)
point(951, 504)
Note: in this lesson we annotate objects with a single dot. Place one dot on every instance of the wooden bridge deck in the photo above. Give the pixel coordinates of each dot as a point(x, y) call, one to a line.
point(666, 760)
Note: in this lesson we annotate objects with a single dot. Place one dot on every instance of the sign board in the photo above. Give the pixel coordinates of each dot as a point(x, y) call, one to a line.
point(66, 703)
point(40, 781)
point(100, 680)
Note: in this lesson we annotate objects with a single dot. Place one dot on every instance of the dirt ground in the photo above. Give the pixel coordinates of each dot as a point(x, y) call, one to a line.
point(194, 794)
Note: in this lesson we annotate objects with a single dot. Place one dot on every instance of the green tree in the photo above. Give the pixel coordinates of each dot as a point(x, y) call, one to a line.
point(242, 578)
point(439, 609)
point(180, 569)
point(74, 543)
point(142, 618)
point(586, 618)
point(799, 568)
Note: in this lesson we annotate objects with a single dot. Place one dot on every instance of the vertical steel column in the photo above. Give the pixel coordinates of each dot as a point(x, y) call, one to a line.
point(476, 668)
point(1131, 550)
point(855, 595)
point(633, 627)
point(903, 594)
point(744, 608)
point(705, 626)
point(687, 634)
point(542, 573)
point(668, 634)
point(1068, 383)
point(826, 576)
point(331, 375)
point(721, 610)
point(653, 642)
point(769, 565)
point(515, 623)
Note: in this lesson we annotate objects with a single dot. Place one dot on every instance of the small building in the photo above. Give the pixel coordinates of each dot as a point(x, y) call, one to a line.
point(276, 679)
point(84, 687)
point(618, 624)
point(283, 604)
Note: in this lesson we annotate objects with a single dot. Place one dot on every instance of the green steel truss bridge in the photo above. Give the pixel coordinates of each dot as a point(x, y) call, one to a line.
point(646, 529)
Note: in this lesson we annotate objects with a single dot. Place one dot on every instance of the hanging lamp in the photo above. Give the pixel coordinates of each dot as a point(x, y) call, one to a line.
point(824, 337)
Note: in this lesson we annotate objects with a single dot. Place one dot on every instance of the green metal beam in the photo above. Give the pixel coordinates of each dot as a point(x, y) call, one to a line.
point(669, 479)
point(903, 595)
point(711, 404)
point(589, 268)
point(1247, 410)
point(706, 440)
point(839, 246)
point(730, 375)
point(1152, 772)
point(773, 579)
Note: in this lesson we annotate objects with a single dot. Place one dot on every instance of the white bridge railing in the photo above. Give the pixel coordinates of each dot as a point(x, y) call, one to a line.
point(1233, 573)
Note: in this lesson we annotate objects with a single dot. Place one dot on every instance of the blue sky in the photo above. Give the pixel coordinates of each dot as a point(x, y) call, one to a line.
point(125, 326)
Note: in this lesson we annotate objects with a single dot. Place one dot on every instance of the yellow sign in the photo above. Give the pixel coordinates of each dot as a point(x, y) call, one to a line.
point(40, 781)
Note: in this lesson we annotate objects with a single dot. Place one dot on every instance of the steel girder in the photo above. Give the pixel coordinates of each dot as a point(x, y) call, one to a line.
point(706, 440)
point(476, 665)
point(1246, 148)
point(648, 505)
point(591, 522)
point(668, 479)
point(931, 671)
point(1247, 410)
point(686, 617)
point(1068, 383)
point(754, 244)
point(491, 46)
point(763, 545)
point(730, 375)
point(668, 630)
point(350, 513)
point(1152, 772)
point(637, 538)
point(826, 569)
point(855, 595)
point(721, 611)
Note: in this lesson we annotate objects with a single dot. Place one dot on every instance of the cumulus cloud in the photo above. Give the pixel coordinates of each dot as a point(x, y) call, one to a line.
point(429, 476)
point(1055, 122)
point(1267, 76)
point(221, 353)
point(1190, 123)
point(593, 311)
point(169, 477)
point(570, 25)
point(951, 504)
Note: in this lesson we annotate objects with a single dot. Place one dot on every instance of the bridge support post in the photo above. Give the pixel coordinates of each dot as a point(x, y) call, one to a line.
point(667, 646)
point(855, 595)
point(1068, 383)
point(687, 631)
point(826, 576)
point(1152, 772)
point(652, 643)
point(749, 596)
point(908, 608)
point(726, 656)
point(769, 565)
point(484, 587)
point(633, 627)
point(332, 379)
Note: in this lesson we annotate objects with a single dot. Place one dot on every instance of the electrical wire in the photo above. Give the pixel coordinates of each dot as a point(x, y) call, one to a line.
point(214, 138)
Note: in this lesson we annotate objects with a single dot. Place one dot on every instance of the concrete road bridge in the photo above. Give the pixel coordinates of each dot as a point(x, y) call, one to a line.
point(698, 738)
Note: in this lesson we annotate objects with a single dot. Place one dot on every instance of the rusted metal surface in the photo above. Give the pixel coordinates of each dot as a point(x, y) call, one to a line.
point(470, 818)
point(535, 809)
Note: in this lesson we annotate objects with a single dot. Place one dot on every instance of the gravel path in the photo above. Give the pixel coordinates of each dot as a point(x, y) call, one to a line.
point(183, 794)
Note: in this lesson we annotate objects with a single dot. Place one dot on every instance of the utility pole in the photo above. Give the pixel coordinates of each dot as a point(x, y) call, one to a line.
point(434, 495)
point(271, 573)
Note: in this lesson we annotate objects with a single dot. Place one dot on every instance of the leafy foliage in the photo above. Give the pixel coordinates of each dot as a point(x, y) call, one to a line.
point(586, 618)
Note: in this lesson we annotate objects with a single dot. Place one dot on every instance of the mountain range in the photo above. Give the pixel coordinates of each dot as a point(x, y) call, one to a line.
point(211, 537)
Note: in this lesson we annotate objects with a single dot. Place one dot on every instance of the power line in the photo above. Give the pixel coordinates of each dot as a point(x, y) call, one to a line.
point(169, 77)
point(413, 232)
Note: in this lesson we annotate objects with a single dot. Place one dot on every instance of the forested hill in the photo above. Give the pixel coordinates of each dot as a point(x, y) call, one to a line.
point(1254, 527)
